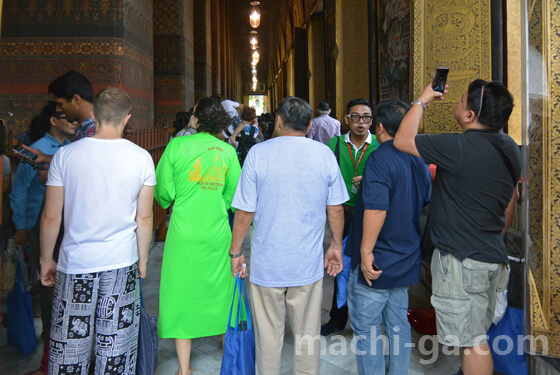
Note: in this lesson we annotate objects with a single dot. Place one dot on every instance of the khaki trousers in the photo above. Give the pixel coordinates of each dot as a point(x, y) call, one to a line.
point(303, 306)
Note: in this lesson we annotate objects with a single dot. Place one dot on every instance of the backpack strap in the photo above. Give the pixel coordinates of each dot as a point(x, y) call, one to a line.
point(252, 132)
point(505, 159)
point(337, 150)
point(227, 132)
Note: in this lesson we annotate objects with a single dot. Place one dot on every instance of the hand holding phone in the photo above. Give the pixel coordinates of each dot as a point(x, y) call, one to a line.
point(440, 79)
point(374, 266)
point(25, 156)
point(19, 150)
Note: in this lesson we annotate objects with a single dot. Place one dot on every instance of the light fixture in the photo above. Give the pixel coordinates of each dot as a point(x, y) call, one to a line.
point(254, 86)
point(255, 16)
point(255, 80)
point(253, 64)
point(254, 71)
point(254, 43)
point(256, 57)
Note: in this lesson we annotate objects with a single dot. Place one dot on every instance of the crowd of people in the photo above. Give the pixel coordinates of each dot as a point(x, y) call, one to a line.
point(87, 213)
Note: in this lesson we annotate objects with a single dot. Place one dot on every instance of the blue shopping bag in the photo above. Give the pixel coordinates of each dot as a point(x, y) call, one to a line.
point(147, 341)
point(239, 342)
point(21, 330)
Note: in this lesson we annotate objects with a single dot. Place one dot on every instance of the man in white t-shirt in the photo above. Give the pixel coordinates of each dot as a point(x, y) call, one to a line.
point(96, 277)
point(290, 185)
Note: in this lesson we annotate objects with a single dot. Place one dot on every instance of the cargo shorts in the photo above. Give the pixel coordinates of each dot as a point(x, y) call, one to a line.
point(464, 296)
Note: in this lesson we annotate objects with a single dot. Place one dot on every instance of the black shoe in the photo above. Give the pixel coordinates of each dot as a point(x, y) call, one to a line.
point(328, 328)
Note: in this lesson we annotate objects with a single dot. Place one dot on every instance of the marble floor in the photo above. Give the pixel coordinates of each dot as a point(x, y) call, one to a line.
point(337, 357)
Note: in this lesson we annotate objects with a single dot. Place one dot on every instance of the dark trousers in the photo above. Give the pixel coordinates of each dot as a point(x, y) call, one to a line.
point(339, 317)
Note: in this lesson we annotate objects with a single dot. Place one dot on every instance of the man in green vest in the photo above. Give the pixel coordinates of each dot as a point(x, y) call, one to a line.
point(351, 150)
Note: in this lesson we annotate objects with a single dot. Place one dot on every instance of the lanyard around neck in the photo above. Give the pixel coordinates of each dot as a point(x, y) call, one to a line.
point(359, 159)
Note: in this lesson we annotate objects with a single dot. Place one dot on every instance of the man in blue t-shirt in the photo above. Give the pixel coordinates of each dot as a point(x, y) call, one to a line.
point(386, 232)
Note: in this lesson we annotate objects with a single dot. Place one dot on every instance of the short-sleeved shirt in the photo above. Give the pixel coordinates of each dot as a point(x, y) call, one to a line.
point(472, 189)
point(398, 183)
point(101, 180)
point(324, 128)
point(288, 182)
point(28, 192)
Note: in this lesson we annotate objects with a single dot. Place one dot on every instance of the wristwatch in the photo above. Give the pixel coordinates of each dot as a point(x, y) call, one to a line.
point(419, 102)
point(236, 255)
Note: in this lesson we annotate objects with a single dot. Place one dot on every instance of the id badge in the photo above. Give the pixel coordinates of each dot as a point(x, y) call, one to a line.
point(354, 189)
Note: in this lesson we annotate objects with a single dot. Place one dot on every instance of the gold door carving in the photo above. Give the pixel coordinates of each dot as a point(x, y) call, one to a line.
point(542, 138)
point(454, 34)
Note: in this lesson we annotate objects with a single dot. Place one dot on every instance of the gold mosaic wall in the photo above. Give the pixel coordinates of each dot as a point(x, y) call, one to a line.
point(454, 34)
point(543, 177)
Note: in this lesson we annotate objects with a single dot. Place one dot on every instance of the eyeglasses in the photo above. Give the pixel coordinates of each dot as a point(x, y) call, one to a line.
point(356, 118)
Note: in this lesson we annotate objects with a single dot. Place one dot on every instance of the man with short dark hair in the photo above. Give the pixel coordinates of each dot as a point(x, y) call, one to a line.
point(96, 276)
point(477, 171)
point(351, 151)
point(324, 126)
point(73, 94)
point(290, 185)
point(384, 244)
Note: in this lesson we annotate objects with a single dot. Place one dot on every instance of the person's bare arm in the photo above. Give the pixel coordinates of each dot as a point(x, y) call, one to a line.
point(238, 130)
point(408, 129)
point(510, 210)
point(241, 223)
point(144, 222)
point(333, 256)
point(373, 222)
point(50, 226)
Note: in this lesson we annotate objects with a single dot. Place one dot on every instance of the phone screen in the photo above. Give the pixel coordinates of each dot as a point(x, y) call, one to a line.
point(440, 79)
point(23, 152)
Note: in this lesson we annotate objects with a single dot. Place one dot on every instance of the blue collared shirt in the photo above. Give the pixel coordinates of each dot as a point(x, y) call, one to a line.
point(27, 193)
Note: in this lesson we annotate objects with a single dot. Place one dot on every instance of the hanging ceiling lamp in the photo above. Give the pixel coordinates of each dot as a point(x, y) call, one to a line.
point(255, 16)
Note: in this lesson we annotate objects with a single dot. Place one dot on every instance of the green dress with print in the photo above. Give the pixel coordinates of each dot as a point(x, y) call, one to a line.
point(199, 173)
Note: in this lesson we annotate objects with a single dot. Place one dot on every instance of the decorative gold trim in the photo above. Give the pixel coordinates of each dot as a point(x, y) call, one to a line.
point(547, 172)
point(514, 68)
point(418, 51)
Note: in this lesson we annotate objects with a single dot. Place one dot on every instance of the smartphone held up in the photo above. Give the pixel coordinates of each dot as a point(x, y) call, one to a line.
point(440, 79)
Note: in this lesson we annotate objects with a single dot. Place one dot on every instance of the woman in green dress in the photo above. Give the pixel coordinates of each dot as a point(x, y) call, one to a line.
point(199, 174)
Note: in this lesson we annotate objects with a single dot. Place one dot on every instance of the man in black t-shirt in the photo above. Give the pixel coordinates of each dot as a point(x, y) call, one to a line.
point(476, 174)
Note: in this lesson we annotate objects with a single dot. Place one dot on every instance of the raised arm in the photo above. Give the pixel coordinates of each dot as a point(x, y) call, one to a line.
point(408, 129)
